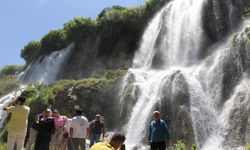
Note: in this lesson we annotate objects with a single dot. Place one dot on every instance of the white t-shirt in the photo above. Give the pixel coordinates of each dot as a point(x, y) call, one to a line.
point(68, 124)
point(80, 125)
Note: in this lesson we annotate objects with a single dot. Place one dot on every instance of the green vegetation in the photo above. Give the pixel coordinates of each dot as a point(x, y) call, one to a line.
point(10, 70)
point(3, 146)
point(79, 28)
point(30, 51)
point(8, 79)
point(247, 31)
point(181, 146)
point(120, 30)
point(39, 97)
point(3, 136)
point(248, 147)
point(55, 40)
point(7, 86)
point(84, 91)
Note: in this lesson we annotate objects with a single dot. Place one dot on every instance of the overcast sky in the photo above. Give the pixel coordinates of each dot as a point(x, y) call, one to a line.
point(26, 20)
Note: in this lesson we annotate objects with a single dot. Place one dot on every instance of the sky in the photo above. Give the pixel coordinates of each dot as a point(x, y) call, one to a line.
point(23, 21)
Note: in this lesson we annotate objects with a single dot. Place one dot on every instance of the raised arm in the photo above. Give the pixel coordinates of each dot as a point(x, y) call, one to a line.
point(8, 105)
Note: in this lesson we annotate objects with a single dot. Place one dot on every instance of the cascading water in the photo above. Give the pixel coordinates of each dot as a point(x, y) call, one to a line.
point(173, 38)
point(5, 100)
point(45, 70)
point(168, 63)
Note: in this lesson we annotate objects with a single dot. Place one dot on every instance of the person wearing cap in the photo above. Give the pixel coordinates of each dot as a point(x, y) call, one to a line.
point(96, 129)
point(17, 125)
point(116, 142)
point(158, 133)
point(79, 131)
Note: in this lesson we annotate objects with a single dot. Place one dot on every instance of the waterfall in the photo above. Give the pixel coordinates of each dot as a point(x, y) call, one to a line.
point(45, 70)
point(173, 36)
point(168, 71)
point(5, 100)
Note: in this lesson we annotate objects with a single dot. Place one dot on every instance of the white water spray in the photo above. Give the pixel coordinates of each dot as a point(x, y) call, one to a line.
point(171, 44)
point(7, 99)
point(45, 70)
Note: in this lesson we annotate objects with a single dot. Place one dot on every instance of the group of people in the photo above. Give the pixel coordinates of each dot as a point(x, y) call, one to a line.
point(50, 130)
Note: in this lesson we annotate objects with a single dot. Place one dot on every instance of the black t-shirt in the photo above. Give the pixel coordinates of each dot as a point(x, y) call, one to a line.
point(96, 126)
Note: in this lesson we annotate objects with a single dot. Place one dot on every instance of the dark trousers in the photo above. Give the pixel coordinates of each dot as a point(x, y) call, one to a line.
point(79, 144)
point(158, 146)
point(42, 141)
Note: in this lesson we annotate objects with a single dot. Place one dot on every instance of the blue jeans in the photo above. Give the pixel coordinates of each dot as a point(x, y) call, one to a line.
point(94, 138)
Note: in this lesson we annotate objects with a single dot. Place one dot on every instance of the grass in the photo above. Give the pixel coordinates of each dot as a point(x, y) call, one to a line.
point(8, 84)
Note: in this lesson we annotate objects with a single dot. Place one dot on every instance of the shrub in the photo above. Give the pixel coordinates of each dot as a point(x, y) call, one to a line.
point(120, 14)
point(30, 51)
point(179, 146)
point(115, 75)
point(53, 41)
point(104, 11)
point(7, 85)
point(194, 147)
point(79, 28)
point(248, 147)
point(154, 5)
point(10, 70)
point(3, 146)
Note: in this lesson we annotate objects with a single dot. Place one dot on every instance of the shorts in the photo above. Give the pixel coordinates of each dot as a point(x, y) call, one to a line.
point(65, 135)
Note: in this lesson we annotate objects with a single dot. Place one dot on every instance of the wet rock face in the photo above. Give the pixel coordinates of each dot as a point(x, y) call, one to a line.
point(127, 101)
point(237, 61)
point(241, 6)
point(98, 100)
point(85, 62)
point(221, 17)
point(214, 26)
point(238, 133)
point(175, 109)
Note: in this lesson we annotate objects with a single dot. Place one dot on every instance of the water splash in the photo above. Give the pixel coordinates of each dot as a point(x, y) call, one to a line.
point(168, 58)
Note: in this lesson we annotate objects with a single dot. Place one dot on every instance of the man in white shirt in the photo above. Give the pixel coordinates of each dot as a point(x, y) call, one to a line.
point(79, 131)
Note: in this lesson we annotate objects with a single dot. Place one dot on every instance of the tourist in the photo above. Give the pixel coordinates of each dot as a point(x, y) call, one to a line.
point(158, 134)
point(18, 124)
point(60, 122)
point(96, 129)
point(115, 143)
point(79, 131)
point(66, 144)
point(33, 130)
point(46, 127)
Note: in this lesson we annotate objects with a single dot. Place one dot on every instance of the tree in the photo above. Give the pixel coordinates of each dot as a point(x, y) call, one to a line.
point(79, 28)
point(53, 41)
point(30, 51)
point(10, 70)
